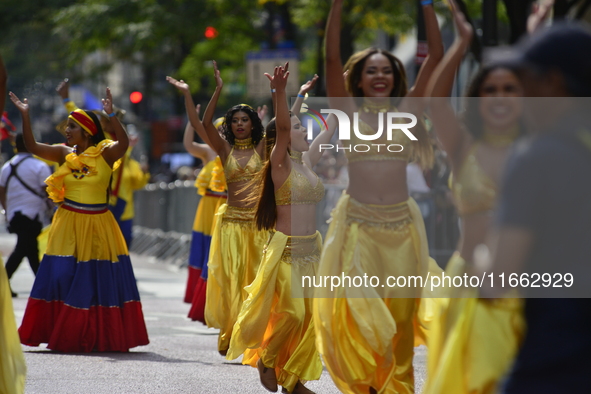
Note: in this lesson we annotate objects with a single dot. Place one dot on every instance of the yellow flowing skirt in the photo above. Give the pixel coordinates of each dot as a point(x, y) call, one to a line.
point(13, 369)
point(275, 322)
point(366, 335)
point(472, 341)
point(234, 256)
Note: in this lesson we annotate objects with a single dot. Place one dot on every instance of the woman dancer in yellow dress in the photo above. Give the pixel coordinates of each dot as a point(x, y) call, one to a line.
point(473, 342)
point(274, 329)
point(365, 335)
point(13, 369)
point(85, 297)
point(236, 244)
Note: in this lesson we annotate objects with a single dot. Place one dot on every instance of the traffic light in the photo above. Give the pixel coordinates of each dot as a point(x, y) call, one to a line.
point(136, 97)
point(211, 32)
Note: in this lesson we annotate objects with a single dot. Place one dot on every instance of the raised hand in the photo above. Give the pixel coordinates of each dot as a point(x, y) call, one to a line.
point(108, 102)
point(305, 88)
point(262, 111)
point(180, 85)
point(63, 89)
point(218, 79)
point(279, 78)
point(465, 30)
point(23, 106)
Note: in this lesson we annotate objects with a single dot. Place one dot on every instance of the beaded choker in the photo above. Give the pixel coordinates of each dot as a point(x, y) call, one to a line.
point(501, 140)
point(296, 156)
point(245, 143)
point(375, 108)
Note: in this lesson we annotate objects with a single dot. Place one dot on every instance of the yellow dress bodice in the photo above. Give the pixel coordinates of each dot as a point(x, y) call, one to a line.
point(82, 178)
point(211, 177)
point(234, 172)
point(380, 148)
point(297, 190)
point(473, 190)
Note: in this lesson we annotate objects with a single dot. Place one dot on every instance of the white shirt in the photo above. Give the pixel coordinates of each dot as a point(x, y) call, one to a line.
point(18, 198)
point(415, 180)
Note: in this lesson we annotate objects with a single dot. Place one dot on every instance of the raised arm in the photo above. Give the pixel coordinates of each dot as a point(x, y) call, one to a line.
point(55, 153)
point(63, 89)
point(304, 89)
point(435, 45)
point(313, 155)
point(335, 86)
point(279, 156)
point(218, 144)
point(200, 151)
point(447, 127)
point(115, 151)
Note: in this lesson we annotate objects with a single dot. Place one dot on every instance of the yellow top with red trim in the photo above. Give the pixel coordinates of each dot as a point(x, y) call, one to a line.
point(82, 178)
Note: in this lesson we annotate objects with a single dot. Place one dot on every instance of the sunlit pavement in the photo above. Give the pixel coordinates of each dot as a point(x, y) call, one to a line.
point(181, 356)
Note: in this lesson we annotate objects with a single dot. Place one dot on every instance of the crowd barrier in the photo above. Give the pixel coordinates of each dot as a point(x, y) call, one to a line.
point(164, 215)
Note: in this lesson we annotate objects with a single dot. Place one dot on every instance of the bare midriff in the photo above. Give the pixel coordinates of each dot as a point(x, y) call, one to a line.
point(298, 220)
point(237, 199)
point(380, 182)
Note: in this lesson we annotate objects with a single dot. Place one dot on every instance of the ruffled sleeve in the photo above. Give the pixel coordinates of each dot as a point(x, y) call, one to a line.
point(84, 163)
point(218, 179)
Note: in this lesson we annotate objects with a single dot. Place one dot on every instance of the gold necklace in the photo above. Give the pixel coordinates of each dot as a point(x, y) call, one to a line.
point(245, 143)
point(500, 140)
point(375, 108)
point(296, 156)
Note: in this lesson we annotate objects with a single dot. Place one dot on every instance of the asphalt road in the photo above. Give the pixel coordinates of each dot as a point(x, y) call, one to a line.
point(181, 356)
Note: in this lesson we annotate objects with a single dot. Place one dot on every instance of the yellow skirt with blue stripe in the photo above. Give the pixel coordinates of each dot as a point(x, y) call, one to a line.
point(234, 257)
point(85, 296)
point(275, 323)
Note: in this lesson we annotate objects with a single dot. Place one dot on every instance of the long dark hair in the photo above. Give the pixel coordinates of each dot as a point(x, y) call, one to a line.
point(257, 125)
point(472, 118)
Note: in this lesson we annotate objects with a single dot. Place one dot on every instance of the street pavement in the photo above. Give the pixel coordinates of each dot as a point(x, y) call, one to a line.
point(182, 355)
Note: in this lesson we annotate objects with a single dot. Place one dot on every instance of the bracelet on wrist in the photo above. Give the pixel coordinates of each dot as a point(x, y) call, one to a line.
point(273, 90)
point(426, 2)
point(301, 95)
point(66, 100)
point(111, 114)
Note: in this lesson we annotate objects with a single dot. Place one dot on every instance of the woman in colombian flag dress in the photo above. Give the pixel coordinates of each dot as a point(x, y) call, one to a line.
point(85, 297)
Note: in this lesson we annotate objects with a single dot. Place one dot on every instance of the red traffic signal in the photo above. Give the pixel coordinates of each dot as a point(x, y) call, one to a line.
point(211, 32)
point(136, 97)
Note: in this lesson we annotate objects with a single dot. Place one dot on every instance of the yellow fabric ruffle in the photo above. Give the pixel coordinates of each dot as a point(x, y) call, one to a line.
point(13, 369)
point(204, 177)
point(365, 334)
point(472, 342)
point(218, 178)
point(87, 159)
point(234, 256)
point(274, 323)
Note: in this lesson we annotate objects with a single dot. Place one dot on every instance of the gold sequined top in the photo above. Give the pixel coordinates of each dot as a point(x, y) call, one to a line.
point(473, 190)
point(235, 172)
point(297, 190)
point(398, 148)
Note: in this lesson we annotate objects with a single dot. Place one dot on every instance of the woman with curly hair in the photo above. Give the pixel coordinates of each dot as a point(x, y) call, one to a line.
point(236, 243)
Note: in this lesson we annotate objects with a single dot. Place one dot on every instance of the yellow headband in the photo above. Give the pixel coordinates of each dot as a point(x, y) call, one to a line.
point(81, 117)
point(218, 122)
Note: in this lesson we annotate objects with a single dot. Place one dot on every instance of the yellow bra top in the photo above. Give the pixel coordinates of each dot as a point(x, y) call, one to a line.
point(473, 190)
point(235, 172)
point(380, 148)
point(297, 190)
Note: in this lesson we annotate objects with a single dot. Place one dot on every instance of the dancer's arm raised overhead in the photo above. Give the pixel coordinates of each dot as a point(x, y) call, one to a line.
point(448, 128)
point(279, 156)
point(195, 149)
point(305, 88)
point(55, 153)
point(221, 146)
point(115, 151)
point(435, 54)
point(313, 155)
point(191, 109)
